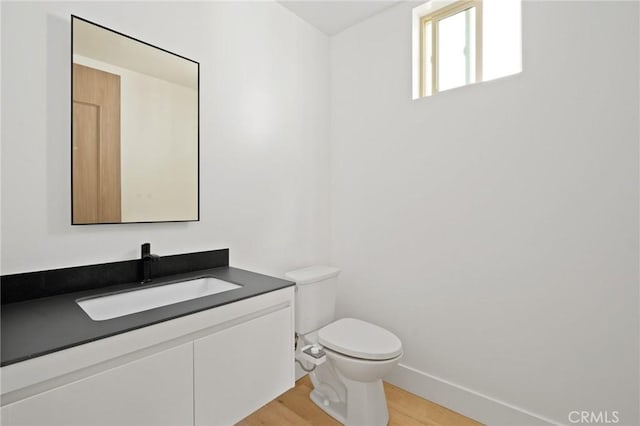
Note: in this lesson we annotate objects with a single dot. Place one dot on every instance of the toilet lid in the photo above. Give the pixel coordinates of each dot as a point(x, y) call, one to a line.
point(360, 339)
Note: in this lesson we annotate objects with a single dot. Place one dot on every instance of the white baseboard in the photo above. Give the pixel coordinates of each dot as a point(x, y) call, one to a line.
point(482, 408)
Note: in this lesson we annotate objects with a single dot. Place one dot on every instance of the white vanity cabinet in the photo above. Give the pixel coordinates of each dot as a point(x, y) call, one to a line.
point(212, 368)
point(241, 368)
point(153, 391)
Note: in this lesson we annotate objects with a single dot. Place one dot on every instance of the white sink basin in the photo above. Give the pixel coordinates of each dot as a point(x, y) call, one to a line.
point(116, 305)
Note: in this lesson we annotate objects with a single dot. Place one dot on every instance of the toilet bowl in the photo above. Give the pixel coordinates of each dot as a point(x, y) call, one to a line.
point(359, 354)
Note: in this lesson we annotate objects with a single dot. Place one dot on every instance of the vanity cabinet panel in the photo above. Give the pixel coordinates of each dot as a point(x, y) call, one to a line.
point(241, 368)
point(155, 390)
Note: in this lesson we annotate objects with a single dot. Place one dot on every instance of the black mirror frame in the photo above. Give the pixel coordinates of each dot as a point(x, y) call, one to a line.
point(74, 17)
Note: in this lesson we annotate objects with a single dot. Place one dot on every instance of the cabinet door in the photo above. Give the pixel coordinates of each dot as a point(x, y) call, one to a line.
point(155, 390)
point(241, 368)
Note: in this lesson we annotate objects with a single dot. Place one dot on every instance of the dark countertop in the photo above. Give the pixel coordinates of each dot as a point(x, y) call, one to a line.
point(36, 327)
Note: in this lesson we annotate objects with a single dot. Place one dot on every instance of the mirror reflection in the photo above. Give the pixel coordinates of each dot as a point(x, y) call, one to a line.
point(134, 130)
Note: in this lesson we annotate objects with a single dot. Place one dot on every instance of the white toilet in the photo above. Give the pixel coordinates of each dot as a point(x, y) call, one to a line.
point(348, 386)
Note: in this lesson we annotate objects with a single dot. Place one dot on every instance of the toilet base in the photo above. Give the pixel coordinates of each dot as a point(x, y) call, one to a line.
point(366, 404)
point(335, 409)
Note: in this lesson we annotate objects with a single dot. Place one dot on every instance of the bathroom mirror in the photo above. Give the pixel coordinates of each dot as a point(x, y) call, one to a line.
point(134, 131)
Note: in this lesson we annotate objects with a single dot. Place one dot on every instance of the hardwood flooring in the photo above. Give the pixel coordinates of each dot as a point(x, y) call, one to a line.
point(295, 408)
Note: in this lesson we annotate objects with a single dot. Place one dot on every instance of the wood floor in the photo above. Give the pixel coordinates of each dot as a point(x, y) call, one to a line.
point(294, 407)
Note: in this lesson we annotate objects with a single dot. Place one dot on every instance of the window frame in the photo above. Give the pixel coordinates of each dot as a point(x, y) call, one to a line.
point(434, 18)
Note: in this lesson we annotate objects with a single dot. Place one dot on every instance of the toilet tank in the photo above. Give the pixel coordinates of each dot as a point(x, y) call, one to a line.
point(315, 296)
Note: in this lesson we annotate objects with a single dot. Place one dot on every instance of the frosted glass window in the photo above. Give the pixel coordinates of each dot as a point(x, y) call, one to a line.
point(456, 48)
point(465, 42)
point(501, 38)
point(428, 55)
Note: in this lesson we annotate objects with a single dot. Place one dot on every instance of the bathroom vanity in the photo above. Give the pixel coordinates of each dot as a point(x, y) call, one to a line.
point(211, 360)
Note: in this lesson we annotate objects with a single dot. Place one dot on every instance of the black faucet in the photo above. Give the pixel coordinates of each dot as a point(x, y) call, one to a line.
point(147, 258)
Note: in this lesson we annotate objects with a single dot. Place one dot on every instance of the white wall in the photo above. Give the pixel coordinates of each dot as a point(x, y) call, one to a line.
point(159, 166)
point(494, 227)
point(263, 135)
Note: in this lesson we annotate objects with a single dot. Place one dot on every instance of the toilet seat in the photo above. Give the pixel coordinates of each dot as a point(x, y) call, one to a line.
point(360, 339)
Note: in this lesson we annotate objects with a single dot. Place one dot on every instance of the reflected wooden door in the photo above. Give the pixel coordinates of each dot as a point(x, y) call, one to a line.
point(96, 146)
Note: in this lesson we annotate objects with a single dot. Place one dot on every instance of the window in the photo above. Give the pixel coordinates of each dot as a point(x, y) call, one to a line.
point(463, 42)
point(451, 47)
